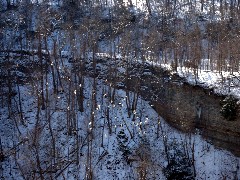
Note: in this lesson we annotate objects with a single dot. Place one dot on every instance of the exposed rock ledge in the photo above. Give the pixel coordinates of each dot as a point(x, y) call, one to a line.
point(188, 108)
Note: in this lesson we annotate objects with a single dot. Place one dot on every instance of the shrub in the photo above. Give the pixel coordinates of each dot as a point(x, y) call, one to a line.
point(179, 165)
point(229, 108)
point(122, 142)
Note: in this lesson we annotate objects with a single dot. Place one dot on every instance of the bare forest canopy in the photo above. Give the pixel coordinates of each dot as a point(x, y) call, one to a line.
point(200, 34)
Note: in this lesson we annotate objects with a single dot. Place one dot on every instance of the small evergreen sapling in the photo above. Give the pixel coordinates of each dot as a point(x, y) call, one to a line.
point(229, 108)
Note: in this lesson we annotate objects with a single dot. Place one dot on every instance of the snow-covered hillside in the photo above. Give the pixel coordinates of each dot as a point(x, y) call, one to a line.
point(65, 112)
point(120, 147)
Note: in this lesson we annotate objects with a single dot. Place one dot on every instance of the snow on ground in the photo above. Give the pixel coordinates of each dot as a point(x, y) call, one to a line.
point(145, 149)
point(224, 82)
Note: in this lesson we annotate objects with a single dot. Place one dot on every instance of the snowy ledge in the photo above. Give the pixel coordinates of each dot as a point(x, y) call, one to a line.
point(224, 83)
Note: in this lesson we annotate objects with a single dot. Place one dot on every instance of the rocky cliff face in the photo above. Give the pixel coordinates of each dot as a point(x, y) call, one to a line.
point(189, 108)
point(194, 107)
point(186, 107)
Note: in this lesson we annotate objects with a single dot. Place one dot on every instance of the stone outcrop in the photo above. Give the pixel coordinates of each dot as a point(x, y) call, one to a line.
point(186, 107)
point(190, 108)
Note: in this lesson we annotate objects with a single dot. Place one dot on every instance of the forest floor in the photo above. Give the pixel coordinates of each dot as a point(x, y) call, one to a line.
point(118, 145)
